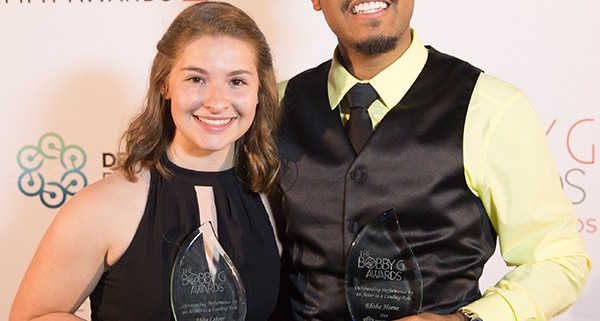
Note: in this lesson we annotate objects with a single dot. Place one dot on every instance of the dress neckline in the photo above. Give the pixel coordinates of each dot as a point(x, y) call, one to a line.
point(197, 177)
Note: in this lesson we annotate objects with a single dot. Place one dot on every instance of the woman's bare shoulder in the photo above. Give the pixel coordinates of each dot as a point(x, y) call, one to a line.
point(110, 210)
point(115, 187)
point(110, 197)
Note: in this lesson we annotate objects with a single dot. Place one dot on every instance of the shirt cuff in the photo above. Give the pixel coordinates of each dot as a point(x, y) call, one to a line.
point(492, 307)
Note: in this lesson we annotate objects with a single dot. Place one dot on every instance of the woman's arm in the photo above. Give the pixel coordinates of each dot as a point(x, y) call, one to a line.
point(88, 234)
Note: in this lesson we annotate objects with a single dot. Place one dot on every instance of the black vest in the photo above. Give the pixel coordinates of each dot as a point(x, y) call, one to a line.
point(412, 162)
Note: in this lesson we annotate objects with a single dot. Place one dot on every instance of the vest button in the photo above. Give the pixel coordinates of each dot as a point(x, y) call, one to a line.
point(359, 175)
point(354, 227)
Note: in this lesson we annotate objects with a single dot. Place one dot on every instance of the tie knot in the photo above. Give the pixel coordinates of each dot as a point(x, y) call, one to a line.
point(361, 95)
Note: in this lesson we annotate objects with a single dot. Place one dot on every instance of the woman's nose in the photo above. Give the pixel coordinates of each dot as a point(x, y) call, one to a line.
point(215, 98)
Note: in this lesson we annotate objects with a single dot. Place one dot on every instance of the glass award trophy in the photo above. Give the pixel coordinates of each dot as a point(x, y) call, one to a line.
point(204, 283)
point(383, 280)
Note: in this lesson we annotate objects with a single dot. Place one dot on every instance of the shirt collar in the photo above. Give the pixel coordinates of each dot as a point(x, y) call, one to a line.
point(391, 84)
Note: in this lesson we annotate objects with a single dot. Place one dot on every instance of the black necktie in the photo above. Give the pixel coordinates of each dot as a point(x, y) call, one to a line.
point(359, 126)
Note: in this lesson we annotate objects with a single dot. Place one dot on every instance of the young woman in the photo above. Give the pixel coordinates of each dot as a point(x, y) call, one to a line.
point(199, 150)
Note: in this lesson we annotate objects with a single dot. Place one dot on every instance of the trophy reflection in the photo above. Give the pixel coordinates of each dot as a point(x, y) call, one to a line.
point(383, 280)
point(205, 284)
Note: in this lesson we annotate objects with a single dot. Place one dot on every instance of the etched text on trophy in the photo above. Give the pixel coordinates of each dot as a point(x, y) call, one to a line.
point(381, 268)
point(202, 282)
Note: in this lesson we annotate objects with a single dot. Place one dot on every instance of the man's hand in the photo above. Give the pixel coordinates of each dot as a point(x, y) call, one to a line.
point(434, 317)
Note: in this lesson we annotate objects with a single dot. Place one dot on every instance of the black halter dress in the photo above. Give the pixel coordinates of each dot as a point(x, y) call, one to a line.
point(137, 287)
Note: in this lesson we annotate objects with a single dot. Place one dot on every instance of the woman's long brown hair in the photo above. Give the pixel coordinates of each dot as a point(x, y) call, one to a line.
point(152, 129)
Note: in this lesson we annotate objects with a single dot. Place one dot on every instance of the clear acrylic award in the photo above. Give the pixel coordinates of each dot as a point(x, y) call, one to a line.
point(204, 283)
point(383, 280)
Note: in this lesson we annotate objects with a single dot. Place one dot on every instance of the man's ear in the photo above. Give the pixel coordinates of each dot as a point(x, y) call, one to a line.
point(316, 5)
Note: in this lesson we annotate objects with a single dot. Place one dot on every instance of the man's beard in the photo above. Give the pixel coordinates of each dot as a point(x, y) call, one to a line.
point(377, 45)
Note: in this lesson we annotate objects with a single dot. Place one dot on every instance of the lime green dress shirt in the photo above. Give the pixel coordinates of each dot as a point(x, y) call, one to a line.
point(509, 167)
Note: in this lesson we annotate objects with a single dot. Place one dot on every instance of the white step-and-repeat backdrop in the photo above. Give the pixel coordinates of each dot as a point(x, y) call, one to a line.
point(73, 71)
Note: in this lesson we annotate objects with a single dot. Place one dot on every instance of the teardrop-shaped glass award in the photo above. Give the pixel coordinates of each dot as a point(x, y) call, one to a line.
point(204, 283)
point(383, 280)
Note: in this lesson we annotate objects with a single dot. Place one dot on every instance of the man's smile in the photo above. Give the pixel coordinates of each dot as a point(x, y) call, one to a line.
point(369, 7)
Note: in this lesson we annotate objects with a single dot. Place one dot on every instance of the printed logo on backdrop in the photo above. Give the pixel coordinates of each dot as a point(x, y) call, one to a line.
point(579, 137)
point(52, 170)
point(24, 2)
